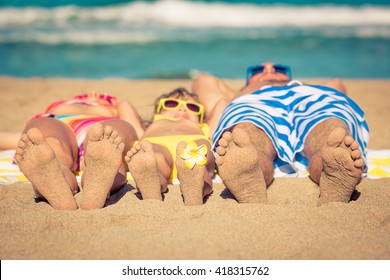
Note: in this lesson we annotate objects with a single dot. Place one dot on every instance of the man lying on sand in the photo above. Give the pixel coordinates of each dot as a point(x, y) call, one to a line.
point(179, 118)
point(273, 117)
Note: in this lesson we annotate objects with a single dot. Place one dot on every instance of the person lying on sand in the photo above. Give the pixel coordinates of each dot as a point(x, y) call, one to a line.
point(164, 149)
point(89, 132)
point(274, 117)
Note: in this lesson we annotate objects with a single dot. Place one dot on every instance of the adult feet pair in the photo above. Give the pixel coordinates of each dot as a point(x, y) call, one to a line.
point(238, 166)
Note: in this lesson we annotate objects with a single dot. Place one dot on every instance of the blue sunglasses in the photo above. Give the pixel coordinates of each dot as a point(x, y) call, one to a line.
point(256, 69)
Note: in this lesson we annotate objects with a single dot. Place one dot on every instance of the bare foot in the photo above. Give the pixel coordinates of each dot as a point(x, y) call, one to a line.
point(238, 166)
point(103, 157)
point(38, 162)
point(142, 163)
point(191, 180)
point(342, 167)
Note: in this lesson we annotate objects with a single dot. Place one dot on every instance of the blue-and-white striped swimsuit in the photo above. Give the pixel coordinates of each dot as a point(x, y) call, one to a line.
point(288, 113)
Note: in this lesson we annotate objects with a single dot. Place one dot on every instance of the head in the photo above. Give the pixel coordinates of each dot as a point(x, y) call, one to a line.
point(100, 98)
point(269, 73)
point(180, 103)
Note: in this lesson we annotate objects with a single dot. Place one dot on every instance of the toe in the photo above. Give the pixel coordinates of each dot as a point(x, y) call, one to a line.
point(221, 151)
point(114, 134)
point(241, 138)
point(19, 152)
point(182, 145)
point(354, 145)
point(348, 140)
point(359, 163)
point(128, 156)
point(136, 148)
point(95, 132)
point(121, 147)
point(22, 144)
point(223, 142)
point(336, 137)
point(132, 151)
point(219, 161)
point(356, 154)
point(18, 157)
point(24, 138)
point(118, 140)
point(146, 146)
point(227, 135)
point(108, 130)
point(35, 136)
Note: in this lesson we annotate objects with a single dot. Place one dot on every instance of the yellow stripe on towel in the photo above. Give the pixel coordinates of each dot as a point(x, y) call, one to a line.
point(378, 163)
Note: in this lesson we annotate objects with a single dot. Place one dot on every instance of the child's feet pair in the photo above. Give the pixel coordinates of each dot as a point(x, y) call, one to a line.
point(142, 163)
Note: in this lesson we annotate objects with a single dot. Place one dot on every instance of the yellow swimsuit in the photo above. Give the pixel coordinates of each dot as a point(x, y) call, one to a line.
point(170, 142)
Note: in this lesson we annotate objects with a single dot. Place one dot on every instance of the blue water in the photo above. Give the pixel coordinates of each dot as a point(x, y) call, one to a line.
point(174, 38)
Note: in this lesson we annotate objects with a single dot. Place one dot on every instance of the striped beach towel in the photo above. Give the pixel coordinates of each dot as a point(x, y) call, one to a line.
point(378, 163)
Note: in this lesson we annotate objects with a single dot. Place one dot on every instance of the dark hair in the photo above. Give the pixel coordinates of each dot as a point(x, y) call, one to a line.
point(176, 93)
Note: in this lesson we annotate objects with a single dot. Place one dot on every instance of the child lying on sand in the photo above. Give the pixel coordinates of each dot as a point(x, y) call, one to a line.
point(160, 154)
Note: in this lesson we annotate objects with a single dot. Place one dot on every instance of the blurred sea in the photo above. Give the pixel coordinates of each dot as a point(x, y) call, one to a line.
point(173, 38)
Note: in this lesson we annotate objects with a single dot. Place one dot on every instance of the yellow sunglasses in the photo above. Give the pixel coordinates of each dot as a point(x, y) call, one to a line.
point(172, 104)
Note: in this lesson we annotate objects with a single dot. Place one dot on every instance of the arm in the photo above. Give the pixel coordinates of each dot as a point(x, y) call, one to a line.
point(215, 95)
point(337, 84)
point(213, 118)
point(128, 113)
point(9, 140)
point(211, 90)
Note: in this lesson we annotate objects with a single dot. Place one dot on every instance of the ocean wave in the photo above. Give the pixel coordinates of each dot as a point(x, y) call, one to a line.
point(176, 13)
point(110, 37)
point(174, 20)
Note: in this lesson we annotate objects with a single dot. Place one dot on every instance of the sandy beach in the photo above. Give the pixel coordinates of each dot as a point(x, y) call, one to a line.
point(290, 226)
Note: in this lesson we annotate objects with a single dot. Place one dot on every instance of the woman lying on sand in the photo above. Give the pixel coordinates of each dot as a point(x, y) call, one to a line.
point(154, 162)
point(90, 132)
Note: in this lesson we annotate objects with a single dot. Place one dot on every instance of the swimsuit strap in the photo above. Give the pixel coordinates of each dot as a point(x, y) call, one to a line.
point(158, 117)
point(54, 105)
point(295, 82)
